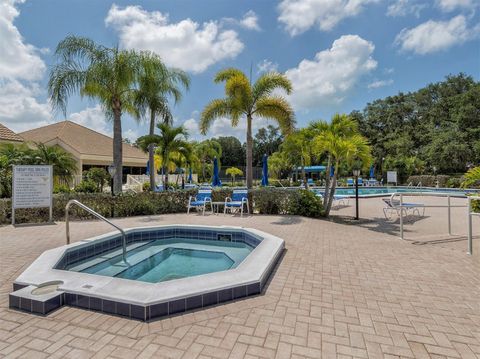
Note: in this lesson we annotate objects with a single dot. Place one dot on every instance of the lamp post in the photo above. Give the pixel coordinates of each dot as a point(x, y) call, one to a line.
point(356, 174)
point(112, 171)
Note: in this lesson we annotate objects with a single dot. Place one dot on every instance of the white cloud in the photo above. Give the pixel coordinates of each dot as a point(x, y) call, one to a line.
point(130, 134)
point(19, 109)
point(18, 60)
point(186, 45)
point(93, 118)
point(266, 66)
point(380, 83)
point(300, 15)
point(330, 76)
point(405, 7)
point(250, 21)
point(450, 5)
point(20, 69)
point(191, 125)
point(433, 36)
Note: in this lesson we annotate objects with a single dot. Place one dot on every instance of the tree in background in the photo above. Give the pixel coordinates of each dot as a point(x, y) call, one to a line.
point(170, 141)
point(234, 172)
point(97, 175)
point(471, 178)
point(278, 164)
point(438, 125)
point(108, 75)
point(206, 151)
point(233, 153)
point(342, 142)
point(266, 141)
point(157, 83)
point(297, 150)
point(246, 100)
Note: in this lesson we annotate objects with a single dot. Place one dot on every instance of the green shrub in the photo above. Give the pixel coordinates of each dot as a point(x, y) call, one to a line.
point(86, 186)
point(61, 188)
point(97, 175)
point(146, 187)
point(454, 182)
point(429, 180)
point(306, 204)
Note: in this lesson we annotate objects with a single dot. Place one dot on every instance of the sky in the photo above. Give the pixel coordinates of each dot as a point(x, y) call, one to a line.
point(338, 54)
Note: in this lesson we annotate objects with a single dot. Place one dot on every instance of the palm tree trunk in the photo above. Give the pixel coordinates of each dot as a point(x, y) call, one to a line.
point(249, 152)
point(151, 159)
point(327, 181)
point(331, 193)
point(304, 175)
point(117, 149)
point(165, 166)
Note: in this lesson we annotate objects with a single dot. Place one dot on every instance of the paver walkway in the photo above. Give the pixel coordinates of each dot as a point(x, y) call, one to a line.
point(341, 290)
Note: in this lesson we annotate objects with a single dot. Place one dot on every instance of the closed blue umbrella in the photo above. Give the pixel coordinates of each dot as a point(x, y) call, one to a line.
point(265, 170)
point(148, 168)
point(216, 178)
point(190, 178)
point(372, 172)
point(332, 171)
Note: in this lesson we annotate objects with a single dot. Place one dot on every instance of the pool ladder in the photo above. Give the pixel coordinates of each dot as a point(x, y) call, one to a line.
point(99, 216)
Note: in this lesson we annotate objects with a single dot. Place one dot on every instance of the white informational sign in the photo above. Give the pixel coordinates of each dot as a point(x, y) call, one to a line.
point(32, 187)
point(392, 177)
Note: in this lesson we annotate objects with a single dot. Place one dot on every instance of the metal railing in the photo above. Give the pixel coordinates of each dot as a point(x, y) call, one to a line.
point(99, 216)
point(470, 215)
point(403, 208)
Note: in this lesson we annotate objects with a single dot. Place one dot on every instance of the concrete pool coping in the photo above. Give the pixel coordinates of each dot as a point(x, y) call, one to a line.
point(250, 275)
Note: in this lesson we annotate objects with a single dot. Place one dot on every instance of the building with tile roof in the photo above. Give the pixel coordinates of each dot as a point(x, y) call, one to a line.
point(88, 147)
point(8, 136)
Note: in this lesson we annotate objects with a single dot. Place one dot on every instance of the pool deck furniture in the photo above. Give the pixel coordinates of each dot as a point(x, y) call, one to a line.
point(200, 201)
point(350, 182)
point(393, 206)
point(237, 202)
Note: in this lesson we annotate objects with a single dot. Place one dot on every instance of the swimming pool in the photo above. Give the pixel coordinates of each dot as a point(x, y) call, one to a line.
point(168, 270)
point(385, 191)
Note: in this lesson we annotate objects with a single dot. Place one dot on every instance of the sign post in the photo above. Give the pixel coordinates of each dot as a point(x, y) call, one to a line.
point(32, 187)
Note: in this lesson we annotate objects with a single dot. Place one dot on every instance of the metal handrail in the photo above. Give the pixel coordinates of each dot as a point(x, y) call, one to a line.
point(425, 194)
point(99, 216)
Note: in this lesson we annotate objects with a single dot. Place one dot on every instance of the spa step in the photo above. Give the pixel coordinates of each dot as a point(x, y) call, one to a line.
point(89, 262)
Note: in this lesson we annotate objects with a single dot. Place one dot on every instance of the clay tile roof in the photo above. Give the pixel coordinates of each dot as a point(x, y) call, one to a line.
point(80, 138)
point(8, 135)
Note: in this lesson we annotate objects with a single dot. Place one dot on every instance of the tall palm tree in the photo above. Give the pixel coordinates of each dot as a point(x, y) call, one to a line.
point(171, 140)
point(246, 100)
point(157, 84)
point(342, 142)
point(108, 75)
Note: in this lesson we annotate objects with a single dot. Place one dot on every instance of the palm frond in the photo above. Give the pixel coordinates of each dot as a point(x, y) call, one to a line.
point(278, 109)
point(269, 82)
point(226, 74)
point(215, 109)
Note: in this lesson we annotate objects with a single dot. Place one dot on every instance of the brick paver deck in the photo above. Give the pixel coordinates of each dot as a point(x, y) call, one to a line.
point(341, 290)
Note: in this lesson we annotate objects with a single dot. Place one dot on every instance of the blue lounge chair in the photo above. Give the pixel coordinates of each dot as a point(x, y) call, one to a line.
point(200, 201)
point(360, 181)
point(310, 182)
point(237, 202)
point(350, 182)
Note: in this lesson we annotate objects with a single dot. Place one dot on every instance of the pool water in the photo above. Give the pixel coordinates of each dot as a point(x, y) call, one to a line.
point(378, 191)
point(162, 260)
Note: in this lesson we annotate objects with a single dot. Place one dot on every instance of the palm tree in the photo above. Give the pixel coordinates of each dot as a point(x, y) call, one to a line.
point(64, 165)
point(246, 100)
point(234, 172)
point(341, 141)
point(170, 141)
point(206, 151)
point(156, 84)
point(108, 75)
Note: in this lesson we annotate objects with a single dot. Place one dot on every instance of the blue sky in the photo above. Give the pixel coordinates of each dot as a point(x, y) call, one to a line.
point(339, 54)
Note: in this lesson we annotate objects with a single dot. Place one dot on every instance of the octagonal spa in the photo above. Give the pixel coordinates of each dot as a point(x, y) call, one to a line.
point(168, 270)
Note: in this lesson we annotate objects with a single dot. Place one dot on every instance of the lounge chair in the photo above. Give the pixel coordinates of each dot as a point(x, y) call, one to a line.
point(310, 182)
point(237, 202)
point(200, 201)
point(360, 181)
point(393, 207)
point(350, 182)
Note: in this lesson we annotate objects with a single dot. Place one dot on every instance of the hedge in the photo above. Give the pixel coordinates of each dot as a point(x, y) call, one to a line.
point(266, 200)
